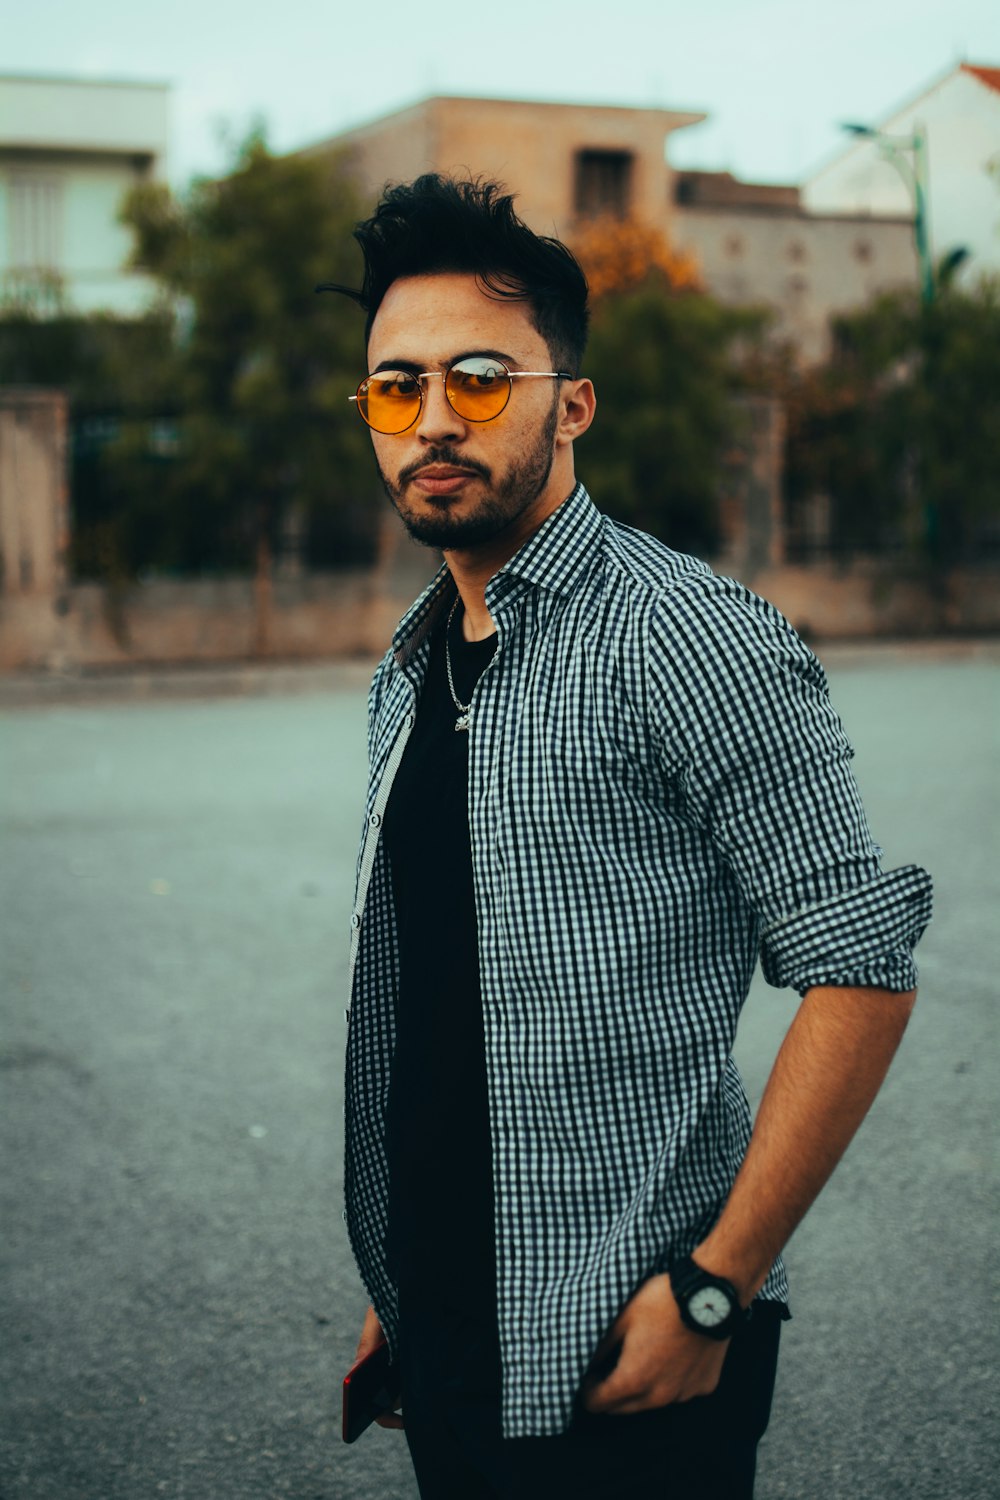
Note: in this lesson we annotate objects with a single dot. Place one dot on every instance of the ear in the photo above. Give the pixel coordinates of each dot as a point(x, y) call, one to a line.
point(577, 405)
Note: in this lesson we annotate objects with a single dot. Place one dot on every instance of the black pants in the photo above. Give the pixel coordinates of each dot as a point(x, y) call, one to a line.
point(705, 1449)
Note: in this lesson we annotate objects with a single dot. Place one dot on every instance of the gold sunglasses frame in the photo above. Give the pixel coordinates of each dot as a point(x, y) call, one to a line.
point(423, 375)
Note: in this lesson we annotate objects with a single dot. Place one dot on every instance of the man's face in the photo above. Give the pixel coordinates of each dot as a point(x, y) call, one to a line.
point(456, 483)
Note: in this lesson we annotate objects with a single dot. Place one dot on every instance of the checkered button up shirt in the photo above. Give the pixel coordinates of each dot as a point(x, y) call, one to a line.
point(659, 794)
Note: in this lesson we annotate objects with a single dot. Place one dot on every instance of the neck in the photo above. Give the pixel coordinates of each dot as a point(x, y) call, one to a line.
point(473, 567)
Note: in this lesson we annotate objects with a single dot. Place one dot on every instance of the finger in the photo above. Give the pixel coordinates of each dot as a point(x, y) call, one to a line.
point(366, 1347)
point(607, 1353)
point(631, 1379)
point(608, 1400)
point(371, 1335)
point(390, 1419)
point(655, 1394)
point(612, 1339)
point(620, 1383)
point(605, 1360)
point(646, 1402)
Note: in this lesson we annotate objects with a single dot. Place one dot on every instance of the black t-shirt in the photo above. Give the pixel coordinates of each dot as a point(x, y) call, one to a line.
point(441, 1234)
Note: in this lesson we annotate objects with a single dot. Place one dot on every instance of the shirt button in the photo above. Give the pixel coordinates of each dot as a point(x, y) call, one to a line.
point(355, 921)
point(375, 820)
point(408, 721)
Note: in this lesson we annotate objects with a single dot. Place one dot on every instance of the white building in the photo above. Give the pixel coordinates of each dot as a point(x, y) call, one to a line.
point(69, 151)
point(960, 115)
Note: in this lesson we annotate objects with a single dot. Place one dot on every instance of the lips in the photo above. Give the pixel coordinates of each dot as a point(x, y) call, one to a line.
point(442, 479)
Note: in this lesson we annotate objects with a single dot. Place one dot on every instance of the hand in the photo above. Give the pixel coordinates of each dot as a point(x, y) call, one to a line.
point(371, 1337)
point(660, 1360)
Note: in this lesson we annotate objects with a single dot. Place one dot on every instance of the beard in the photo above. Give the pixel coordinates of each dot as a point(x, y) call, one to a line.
point(505, 499)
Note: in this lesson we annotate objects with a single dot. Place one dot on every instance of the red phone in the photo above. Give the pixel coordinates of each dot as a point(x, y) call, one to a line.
point(371, 1387)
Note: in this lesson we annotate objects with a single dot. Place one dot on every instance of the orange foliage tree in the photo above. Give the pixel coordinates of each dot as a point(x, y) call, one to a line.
point(620, 254)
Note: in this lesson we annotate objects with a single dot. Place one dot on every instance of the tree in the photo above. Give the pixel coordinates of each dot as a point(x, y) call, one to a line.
point(263, 365)
point(662, 364)
point(902, 427)
point(117, 373)
point(619, 255)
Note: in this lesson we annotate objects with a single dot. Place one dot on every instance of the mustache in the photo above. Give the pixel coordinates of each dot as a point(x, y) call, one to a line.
point(444, 456)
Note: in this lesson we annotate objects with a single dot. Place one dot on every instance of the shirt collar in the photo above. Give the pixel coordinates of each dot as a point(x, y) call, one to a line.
point(419, 620)
point(559, 552)
point(554, 557)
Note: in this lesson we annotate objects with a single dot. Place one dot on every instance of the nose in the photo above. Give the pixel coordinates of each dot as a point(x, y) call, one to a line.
point(438, 421)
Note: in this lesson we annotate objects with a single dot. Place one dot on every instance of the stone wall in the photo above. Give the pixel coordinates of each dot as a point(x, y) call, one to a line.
point(47, 623)
point(872, 597)
point(323, 617)
point(33, 492)
point(193, 620)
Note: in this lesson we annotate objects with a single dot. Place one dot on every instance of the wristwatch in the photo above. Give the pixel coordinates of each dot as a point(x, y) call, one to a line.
point(707, 1304)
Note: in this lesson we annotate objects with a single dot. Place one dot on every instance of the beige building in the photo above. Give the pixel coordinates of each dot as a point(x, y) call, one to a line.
point(566, 162)
point(569, 164)
point(70, 149)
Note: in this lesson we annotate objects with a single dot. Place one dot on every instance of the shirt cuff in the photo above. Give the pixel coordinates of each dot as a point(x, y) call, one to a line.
point(863, 938)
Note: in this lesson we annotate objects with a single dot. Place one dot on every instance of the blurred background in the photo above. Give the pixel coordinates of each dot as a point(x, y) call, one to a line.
point(791, 225)
point(792, 231)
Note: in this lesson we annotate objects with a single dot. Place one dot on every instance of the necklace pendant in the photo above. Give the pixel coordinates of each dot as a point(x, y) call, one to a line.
point(462, 722)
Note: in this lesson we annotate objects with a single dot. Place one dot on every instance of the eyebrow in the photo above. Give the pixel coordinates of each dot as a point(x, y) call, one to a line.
point(410, 365)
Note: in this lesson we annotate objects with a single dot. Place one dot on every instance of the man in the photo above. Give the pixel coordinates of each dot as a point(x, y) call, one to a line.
point(602, 782)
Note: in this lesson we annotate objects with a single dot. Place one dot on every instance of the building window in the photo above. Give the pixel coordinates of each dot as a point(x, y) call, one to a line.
point(603, 183)
point(864, 251)
point(797, 251)
point(36, 212)
point(733, 246)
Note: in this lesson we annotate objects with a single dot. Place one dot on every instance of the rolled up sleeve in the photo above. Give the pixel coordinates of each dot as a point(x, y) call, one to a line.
point(863, 938)
point(765, 768)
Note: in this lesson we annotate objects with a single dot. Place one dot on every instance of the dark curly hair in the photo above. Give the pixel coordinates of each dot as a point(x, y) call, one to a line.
point(439, 223)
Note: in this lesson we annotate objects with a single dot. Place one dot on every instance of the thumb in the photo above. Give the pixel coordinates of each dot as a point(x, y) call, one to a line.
point(371, 1335)
point(605, 1356)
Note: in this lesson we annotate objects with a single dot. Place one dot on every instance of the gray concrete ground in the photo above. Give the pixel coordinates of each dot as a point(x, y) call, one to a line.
point(178, 1298)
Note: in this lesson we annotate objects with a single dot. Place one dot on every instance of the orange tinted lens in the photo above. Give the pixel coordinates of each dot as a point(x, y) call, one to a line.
point(390, 400)
point(478, 388)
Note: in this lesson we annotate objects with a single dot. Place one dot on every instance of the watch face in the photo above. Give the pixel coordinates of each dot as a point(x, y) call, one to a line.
point(709, 1306)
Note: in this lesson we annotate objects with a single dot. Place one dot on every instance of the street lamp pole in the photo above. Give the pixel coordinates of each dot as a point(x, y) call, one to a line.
point(897, 150)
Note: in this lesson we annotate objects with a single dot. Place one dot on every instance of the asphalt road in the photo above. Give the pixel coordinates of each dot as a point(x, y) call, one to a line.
point(178, 1299)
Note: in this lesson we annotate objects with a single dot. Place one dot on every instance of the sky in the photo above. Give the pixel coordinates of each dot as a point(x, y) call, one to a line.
point(775, 77)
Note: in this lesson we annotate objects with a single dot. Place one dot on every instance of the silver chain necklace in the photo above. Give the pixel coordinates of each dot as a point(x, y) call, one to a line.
point(462, 722)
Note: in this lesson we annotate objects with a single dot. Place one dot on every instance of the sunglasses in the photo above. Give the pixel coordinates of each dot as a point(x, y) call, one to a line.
point(477, 388)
